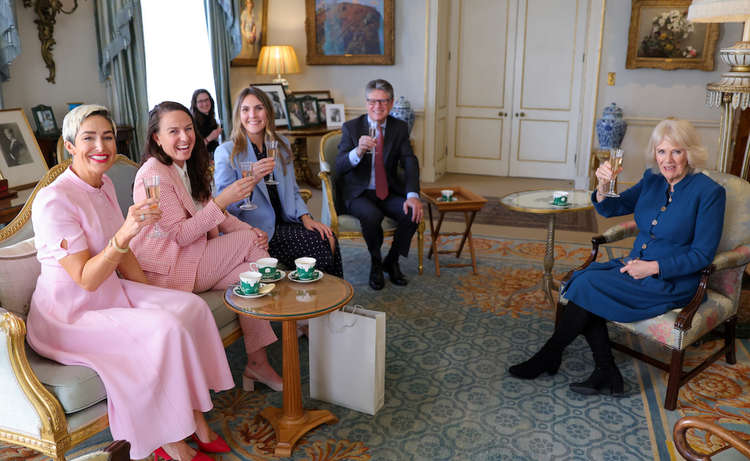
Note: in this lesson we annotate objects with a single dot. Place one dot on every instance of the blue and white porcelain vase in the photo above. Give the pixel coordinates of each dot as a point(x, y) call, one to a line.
point(610, 129)
point(402, 110)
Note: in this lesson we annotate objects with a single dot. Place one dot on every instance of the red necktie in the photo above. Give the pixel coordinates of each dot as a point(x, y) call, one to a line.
point(381, 183)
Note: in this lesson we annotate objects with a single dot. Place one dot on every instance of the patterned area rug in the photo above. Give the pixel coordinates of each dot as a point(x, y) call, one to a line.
point(448, 395)
point(496, 214)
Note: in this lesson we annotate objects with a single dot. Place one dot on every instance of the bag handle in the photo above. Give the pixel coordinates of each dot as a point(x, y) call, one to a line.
point(353, 309)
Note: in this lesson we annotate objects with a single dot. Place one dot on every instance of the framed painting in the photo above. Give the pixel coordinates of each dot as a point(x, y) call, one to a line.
point(45, 122)
point(346, 32)
point(661, 37)
point(21, 159)
point(275, 92)
point(253, 28)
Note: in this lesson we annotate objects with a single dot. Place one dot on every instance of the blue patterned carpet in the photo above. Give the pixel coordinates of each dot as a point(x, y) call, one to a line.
point(448, 395)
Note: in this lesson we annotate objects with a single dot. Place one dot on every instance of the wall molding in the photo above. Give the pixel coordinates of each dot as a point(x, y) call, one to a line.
point(653, 121)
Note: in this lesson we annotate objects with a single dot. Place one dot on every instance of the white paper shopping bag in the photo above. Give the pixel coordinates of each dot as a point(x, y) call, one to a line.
point(347, 358)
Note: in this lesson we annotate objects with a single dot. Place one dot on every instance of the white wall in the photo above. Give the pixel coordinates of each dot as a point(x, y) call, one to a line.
point(649, 95)
point(75, 55)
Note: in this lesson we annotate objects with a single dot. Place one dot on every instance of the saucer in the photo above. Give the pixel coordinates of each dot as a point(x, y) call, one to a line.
point(265, 288)
point(452, 199)
point(279, 275)
point(293, 277)
point(559, 206)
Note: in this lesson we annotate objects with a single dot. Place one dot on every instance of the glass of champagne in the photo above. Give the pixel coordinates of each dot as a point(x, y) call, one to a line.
point(615, 161)
point(272, 149)
point(247, 171)
point(151, 184)
point(373, 134)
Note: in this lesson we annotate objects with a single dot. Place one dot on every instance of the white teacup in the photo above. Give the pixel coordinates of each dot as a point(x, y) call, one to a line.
point(447, 194)
point(267, 267)
point(250, 282)
point(305, 267)
point(560, 198)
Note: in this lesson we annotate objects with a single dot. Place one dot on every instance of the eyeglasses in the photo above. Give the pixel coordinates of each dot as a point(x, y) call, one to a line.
point(382, 102)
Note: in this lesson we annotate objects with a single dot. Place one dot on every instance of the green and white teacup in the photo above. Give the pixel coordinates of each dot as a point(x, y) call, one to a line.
point(267, 267)
point(250, 282)
point(305, 268)
point(560, 198)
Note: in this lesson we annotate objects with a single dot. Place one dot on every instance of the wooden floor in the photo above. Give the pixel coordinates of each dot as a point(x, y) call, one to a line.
point(497, 187)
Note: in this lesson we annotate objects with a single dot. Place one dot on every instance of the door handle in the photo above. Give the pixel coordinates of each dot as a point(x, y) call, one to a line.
point(520, 114)
point(502, 114)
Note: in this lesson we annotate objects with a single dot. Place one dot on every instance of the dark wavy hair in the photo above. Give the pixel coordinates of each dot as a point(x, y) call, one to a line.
point(200, 118)
point(197, 164)
point(239, 134)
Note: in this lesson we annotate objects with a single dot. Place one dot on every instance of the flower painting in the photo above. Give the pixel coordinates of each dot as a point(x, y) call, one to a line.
point(662, 37)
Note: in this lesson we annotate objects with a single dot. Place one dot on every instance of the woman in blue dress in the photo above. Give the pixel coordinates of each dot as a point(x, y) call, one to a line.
point(679, 214)
point(281, 212)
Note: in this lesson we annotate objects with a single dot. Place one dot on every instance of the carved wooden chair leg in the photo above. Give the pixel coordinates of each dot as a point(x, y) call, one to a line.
point(730, 332)
point(673, 383)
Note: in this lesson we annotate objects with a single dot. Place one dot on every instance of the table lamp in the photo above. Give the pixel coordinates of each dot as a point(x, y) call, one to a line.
point(278, 59)
point(733, 90)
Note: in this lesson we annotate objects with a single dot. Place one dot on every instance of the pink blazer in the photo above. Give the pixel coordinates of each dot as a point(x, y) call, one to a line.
point(172, 261)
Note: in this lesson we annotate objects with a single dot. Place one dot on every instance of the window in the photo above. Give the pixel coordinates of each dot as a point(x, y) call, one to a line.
point(178, 56)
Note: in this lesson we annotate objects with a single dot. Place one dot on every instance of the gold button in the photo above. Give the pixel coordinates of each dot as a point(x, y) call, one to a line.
point(653, 223)
point(663, 208)
point(643, 247)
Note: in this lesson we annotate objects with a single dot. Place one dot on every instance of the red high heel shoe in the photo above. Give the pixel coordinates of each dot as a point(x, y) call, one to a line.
point(217, 445)
point(162, 453)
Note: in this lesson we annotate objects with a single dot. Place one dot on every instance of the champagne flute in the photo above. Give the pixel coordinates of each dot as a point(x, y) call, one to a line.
point(151, 184)
point(272, 148)
point(373, 134)
point(247, 171)
point(615, 161)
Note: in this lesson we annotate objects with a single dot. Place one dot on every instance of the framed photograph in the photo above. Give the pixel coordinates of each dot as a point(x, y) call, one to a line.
point(253, 27)
point(296, 113)
point(661, 37)
point(322, 102)
point(45, 120)
point(320, 94)
point(310, 110)
point(346, 32)
point(334, 115)
point(275, 92)
point(21, 160)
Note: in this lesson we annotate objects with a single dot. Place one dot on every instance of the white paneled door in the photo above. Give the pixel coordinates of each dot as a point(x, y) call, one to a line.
point(516, 73)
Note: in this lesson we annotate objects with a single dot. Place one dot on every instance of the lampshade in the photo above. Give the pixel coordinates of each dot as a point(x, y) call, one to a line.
point(277, 59)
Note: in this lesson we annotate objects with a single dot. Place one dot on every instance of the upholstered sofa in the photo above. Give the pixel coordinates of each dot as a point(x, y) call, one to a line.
point(47, 406)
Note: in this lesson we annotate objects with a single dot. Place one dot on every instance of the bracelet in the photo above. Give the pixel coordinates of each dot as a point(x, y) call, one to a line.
point(113, 244)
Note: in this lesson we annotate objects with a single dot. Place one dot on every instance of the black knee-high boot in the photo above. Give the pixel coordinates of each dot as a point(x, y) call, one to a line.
point(573, 320)
point(606, 378)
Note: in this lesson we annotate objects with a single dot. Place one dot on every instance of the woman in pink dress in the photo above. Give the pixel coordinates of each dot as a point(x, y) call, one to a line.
point(201, 246)
point(157, 351)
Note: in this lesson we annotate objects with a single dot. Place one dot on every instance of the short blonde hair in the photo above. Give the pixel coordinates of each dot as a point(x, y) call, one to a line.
point(680, 133)
point(73, 120)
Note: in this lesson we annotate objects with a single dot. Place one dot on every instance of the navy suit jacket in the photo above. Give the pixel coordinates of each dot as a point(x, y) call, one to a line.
point(397, 153)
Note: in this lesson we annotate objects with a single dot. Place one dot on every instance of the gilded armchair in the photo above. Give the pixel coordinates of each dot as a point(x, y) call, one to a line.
point(712, 431)
point(346, 226)
point(721, 282)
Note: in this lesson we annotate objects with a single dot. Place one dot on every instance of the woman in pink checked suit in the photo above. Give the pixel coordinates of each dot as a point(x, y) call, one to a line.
point(157, 351)
point(202, 247)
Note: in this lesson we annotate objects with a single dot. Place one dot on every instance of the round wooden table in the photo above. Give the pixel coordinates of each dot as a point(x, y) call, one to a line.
point(289, 302)
point(539, 202)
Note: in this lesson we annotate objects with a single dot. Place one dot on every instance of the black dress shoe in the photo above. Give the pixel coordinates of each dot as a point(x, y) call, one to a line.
point(394, 272)
point(377, 282)
point(546, 360)
point(604, 380)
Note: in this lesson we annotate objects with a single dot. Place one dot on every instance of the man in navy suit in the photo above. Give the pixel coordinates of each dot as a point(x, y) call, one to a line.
point(379, 176)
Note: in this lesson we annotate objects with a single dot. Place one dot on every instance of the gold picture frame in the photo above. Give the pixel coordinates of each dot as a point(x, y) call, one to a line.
point(330, 40)
point(652, 43)
point(253, 31)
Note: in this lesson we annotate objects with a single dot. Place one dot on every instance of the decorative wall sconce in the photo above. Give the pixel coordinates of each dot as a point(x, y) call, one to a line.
point(46, 11)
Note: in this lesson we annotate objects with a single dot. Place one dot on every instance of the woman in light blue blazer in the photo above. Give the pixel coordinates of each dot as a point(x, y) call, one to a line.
point(281, 212)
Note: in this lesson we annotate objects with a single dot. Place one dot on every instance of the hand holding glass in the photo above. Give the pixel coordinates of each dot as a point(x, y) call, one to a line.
point(272, 148)
point(615, 161)
point(373, 135)
point(247, 171)
point(151, 184)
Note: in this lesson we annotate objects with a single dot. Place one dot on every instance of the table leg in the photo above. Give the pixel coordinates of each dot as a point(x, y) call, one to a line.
point(470, 221)
point(293, 421)
point(301, 164)
point(436, 242)
point(549, 260)
point(467, 232)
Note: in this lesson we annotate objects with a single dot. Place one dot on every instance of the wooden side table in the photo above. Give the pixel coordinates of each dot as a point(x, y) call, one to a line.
point(299, 149)
point(466, 202)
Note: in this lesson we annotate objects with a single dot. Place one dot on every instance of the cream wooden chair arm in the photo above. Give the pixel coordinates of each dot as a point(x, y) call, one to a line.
point(325, 179)
point(30, 415)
